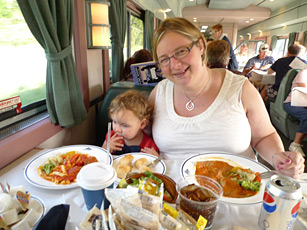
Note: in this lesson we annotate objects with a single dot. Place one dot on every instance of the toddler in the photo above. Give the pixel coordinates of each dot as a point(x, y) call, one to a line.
point(130, 114)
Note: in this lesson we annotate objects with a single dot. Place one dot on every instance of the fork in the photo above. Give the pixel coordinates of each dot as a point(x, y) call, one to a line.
point(154, 162)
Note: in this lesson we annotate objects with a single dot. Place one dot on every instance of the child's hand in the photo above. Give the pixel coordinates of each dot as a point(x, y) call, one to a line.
point(150, 151)
point(116, 143)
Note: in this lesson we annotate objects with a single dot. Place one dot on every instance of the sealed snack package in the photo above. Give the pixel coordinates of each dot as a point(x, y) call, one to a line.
point(94, 220)
point(150, 202)
point(138, 216)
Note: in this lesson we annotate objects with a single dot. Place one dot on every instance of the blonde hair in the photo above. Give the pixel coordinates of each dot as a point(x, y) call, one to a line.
point(134, 101)
point(181, 26)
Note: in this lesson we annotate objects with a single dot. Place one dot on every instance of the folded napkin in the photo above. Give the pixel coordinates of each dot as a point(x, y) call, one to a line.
point(55, 219)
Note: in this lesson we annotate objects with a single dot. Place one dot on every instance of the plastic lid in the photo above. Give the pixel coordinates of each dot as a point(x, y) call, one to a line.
point(96, 176)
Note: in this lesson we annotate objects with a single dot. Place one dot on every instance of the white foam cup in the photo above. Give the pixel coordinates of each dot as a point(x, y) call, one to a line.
point(93, 179)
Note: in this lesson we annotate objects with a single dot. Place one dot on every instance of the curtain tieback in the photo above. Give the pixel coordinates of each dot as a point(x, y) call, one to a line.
point(60, 55)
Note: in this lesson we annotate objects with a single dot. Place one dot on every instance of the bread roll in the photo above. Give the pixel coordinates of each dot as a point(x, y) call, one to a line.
point(122, 170)
point(126, 160)
point(141, 162)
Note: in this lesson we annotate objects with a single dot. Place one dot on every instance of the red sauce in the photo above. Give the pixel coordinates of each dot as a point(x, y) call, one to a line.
point(220, 171)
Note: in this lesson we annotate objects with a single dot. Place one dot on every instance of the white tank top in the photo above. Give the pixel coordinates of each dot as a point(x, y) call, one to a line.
point(222, 128)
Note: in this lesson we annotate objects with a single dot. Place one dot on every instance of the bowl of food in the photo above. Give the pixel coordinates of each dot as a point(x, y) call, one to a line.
point(144, 179)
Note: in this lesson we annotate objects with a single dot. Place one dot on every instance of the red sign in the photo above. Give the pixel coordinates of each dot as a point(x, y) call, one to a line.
point(10, 103)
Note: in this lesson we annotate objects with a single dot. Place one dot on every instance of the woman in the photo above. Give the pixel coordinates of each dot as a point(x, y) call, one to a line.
point(299, 112)
point(198, 109)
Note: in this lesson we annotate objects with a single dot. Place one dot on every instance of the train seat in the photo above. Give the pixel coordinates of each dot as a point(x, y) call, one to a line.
point(284, 122)
point(102, 117)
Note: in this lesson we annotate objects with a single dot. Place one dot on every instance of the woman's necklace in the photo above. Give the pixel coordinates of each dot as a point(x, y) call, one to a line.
point(190, 105)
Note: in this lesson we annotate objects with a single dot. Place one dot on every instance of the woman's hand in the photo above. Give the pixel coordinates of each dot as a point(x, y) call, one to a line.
point(289, 163)
point(150, 151)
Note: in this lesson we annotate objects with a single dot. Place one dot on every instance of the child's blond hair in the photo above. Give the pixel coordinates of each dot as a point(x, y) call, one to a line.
point(134, 101)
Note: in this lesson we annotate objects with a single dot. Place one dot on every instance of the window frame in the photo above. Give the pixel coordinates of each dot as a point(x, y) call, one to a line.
point(25, 140)
point(140, 14)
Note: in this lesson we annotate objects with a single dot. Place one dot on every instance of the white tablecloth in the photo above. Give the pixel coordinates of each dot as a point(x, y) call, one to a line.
point(227, 215)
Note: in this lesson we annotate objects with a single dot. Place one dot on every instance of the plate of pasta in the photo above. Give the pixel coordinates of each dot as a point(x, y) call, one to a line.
point(58, 168)
point(238, 175)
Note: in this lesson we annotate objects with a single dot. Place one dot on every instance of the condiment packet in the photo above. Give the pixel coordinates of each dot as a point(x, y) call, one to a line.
point(169, 222)
point(150, 202)
point(89, 222)
point(138, 216)
point(112, 224)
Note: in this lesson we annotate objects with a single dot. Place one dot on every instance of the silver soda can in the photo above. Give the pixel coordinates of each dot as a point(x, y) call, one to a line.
point(281, 202)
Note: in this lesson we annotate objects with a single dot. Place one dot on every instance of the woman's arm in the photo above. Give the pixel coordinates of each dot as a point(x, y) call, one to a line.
point(265, 139)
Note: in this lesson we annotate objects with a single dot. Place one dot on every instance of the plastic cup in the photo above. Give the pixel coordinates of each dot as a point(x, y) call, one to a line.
point(93, 179)
point(198, 195)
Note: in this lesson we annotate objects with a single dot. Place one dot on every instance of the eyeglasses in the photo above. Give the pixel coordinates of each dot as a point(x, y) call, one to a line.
point(181, 53)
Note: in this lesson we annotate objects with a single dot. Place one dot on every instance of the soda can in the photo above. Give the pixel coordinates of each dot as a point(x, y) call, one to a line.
point(281, 202)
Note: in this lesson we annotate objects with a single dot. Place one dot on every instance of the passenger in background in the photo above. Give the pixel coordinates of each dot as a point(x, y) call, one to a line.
point(299, 112)
point(139, 56)
point(217, 33)
point(281, 67)
point(242, 57)
point(218, 55)
point(197, 109)
point(130, 114)
point(260, 62)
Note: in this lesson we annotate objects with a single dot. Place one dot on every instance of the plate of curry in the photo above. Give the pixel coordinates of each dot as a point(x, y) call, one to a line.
point(238, 175)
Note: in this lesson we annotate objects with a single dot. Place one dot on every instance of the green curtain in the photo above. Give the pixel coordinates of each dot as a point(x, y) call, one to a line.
point(149, 29)
point(118, 22)
point(292, 37)
point(51, 23)
point(273, 42)
point(305, 38)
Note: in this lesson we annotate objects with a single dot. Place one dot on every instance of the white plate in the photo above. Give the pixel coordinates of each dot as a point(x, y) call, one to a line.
point(31, 173)
point(159, 168)
point(42, 208)
point(189, 165)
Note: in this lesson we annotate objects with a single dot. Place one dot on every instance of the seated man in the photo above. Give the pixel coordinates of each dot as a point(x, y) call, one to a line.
point(281, 67)
point(299, 112)
point(217, 33)
point(261, 62)
point(218, 55)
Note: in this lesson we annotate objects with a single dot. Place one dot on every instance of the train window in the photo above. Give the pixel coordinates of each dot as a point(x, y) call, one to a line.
point(23, 63)
point(134, 40)
point(281, 48)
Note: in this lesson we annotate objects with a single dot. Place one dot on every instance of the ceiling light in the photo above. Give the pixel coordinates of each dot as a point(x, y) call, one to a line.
point(191, 0)
point(271, 0)
point(247, 21)
point(282, 24)
point(204, 27)
point(241, 36)
point(167, 10)
point(203, 31)
point(251, 19)
point(194, 18)
point(249, 34)
point(260, 31)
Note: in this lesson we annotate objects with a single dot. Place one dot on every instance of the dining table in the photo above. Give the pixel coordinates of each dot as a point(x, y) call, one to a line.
point(227, 217)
